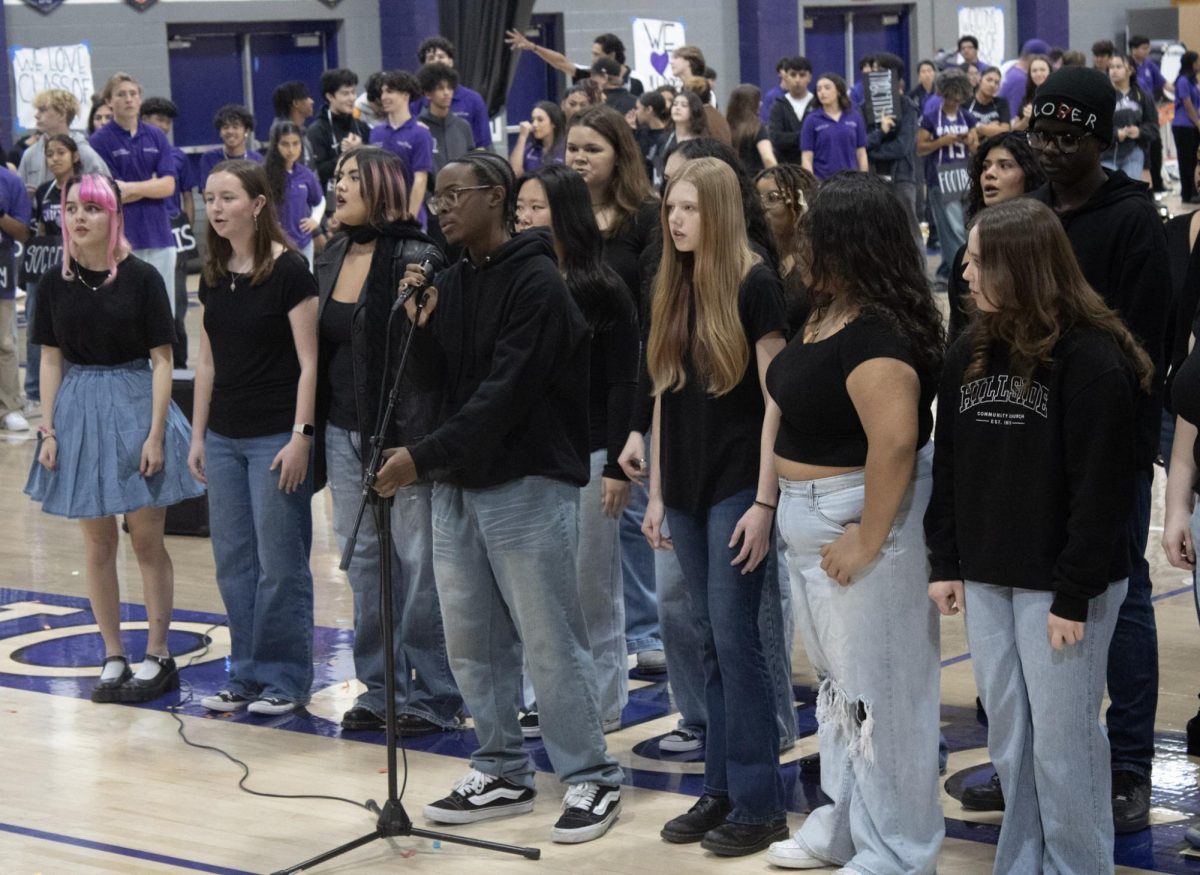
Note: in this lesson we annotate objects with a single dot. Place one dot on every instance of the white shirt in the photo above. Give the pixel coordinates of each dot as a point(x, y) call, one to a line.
point(799, 104)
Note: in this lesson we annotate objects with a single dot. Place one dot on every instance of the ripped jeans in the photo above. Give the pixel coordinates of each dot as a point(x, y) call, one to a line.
point(875, 646)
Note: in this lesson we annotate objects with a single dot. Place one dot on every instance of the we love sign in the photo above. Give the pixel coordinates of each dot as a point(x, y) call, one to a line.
point(653, 43)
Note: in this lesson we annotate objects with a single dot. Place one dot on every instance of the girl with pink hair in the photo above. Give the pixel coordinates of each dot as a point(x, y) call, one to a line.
point(113, 442)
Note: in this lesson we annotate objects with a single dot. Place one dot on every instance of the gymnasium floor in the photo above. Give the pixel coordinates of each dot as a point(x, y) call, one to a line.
point(113, 788)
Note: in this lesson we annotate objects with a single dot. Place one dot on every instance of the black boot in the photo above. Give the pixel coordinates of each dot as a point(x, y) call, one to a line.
point(984, 797)
point(740, 839)
point(709, 812)
point(1130, 802)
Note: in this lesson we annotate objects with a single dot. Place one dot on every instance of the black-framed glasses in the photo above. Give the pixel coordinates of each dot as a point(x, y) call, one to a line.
point(447, 200)
point(1066, 143)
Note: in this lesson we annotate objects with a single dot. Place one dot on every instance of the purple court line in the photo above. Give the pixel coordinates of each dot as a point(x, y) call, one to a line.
point(117, 849)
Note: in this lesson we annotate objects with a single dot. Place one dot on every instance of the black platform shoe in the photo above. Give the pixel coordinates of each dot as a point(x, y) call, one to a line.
point(135, 691)
point(110, 690)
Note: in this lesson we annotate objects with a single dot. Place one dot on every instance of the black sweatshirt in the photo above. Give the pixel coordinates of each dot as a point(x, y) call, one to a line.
point(325, 137)
point(1119, 241)
point(511, 349)
point(1034, 489)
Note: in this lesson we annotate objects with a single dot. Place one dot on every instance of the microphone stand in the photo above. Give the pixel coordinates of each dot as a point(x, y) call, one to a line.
point(393, 820)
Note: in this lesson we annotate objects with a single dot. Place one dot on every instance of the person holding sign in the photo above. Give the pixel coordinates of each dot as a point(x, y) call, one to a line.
point(948, 133)
point(833, 137)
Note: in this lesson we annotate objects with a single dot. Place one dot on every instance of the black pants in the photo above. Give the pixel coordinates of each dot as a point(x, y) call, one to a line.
point(1186, 140)
point(1156, 156)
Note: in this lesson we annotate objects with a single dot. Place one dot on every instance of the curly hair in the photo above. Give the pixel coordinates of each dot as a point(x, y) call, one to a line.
point(1017, 146)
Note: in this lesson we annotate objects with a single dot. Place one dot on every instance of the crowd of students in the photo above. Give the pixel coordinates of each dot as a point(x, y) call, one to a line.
point(671, 393)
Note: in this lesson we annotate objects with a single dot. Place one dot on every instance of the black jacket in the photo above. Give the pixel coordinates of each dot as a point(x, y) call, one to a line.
point(1121, 247)
point(783, 127)
point(325, 139)
point(894, 154)
point(1145, 117)
point(511, 350)
point(417, 408)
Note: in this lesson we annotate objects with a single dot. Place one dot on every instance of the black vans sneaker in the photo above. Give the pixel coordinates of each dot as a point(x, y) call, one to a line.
point(479, 797)
point(589, 809)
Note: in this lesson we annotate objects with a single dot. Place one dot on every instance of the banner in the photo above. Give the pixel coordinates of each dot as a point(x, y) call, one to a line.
point(986, 24)
point(65, 67)
point(653, 43)
point(41, 254)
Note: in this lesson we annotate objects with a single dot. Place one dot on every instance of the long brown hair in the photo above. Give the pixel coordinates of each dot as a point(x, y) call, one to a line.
point(266, 227)
point(709, 278)
point(742, 114)
point(629, 187)
point(1031, 276)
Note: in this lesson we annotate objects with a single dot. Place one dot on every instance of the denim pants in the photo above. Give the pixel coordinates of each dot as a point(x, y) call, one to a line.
point(261, 538)
point(638, 576)
point(875, 646)
point(504, 559)
point(424, 685)
point(742, 744)
point(33, 351)
point(951, 228)
point(1044, 732)
point(1133, 654)
point(1132, 166)
point(162, 260)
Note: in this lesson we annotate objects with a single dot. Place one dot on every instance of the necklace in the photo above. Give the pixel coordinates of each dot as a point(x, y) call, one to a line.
point(813, 333)
point(79, 276)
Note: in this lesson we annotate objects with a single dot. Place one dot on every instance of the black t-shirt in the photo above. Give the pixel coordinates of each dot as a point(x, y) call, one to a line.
point(820, 425)
point(709, 446)
point(987, 113)
point(748, 152)
point(254, 354)
point(48, 208)
point(114, 324)
point(1185, 391)
point(623, 249)
point(337, 332)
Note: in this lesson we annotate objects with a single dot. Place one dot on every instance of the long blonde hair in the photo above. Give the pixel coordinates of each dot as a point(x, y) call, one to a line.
point(710, 279)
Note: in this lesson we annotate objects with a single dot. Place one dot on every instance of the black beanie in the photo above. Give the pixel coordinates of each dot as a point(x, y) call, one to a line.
point(1079, 95)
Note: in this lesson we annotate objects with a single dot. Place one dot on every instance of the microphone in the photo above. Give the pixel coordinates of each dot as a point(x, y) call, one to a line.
point(427, 272)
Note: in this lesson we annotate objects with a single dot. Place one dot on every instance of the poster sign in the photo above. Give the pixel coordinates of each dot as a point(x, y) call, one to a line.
point(653, 43)
point(65, 67)
point(41, 254)
point(985, 23)
point(883, 94)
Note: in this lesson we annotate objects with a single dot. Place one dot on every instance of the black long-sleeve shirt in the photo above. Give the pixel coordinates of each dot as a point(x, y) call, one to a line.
point(511, 350)
point(1032, 488)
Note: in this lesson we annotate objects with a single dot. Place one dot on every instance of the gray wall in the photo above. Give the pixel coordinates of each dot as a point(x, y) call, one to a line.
point(1092, 20)
point(124, 39)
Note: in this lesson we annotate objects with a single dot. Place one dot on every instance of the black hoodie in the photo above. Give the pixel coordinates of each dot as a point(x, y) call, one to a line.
point(325, 137)
point(511, 350)
point(1119, 241)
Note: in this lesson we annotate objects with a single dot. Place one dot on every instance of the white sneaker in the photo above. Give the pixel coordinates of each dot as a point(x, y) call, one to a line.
point(225, 701)
point(680, 741)
point(14, 421)
point(789, 855)
point(271, 707)
point(611, 725)
point(652, 661)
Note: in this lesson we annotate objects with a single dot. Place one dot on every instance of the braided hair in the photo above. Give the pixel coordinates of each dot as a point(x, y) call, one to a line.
point(490, 169)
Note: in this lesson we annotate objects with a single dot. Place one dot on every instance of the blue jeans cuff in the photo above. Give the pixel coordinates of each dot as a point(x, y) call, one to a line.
point(638, 645)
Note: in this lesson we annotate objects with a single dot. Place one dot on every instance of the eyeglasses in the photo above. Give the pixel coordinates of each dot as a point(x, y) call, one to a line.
point(1067, 144)
point(772, 199)
point(447, 200)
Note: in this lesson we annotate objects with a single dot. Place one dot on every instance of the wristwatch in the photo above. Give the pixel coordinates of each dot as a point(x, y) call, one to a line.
point(304, 428)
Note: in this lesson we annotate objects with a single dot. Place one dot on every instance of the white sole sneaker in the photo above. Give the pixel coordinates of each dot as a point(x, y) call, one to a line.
point(481, 797)
point(225, 702)
point(678, 741)
point(271, 707)
point(445, 815)
point(789, 855)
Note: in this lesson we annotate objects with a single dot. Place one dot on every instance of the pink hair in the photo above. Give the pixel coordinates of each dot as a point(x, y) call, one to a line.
point(98, 189)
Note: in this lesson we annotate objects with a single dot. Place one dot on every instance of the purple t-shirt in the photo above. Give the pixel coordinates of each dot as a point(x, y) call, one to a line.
point(1185, 87)
point(468, 105)
point(535, 156)
point(213, 157)
point(184, 183)
point(764, 113)
point(301, 193)
point(14, 200)
point(939, 124)
point(1150, 78)
point(833, 143)
point(411, 142)
point(1013, 87)
point(139, 157)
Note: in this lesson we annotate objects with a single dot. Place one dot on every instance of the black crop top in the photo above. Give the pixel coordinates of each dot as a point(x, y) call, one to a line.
point(808, 381)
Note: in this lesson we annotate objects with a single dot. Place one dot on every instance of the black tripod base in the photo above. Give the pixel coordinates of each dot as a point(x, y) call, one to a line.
point(394, 822)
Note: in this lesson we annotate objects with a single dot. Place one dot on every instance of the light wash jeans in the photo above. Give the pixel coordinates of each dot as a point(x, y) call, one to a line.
point(504, 559)
point(162, 260)
point(951, 228)
point(875, 646)
point(742, 745)
point(424, 685)
point(261, 539)
point(639, 577)
point(1132, 166)
point(1044, 732)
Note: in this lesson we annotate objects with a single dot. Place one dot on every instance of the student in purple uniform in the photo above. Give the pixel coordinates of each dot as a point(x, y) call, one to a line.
point(235, 124)
point(834, 136)
point(295, 189)
point(948, 135)
point(400, 134)
point(547, 128)
point(467, 104)
point(15, 213)
point(1185, 125)
point(141, 161)
point(776, 90)
point(1152, 82)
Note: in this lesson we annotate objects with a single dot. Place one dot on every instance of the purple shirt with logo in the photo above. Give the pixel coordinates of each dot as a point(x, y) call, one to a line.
point(301, 193)
point(411, 142)
point(139, 157)
point(14, 200)
point(833, 143)
point(939, 124)
point(213, 157)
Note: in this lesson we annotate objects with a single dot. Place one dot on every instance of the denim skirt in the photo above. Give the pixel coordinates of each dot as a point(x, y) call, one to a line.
point(101, 420)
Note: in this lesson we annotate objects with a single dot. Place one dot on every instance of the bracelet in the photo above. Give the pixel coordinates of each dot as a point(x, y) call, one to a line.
point(763, 504)
point(46, 431)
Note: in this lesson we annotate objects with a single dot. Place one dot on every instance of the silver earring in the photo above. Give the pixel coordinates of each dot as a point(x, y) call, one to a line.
point(255, 220)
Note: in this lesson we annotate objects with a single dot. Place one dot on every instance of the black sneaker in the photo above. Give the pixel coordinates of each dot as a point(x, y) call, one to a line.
point(589, 809)
point(708, 813)
point(984, 797)
point(740, 839)
point(479, 797)
point(1130, 802)
point(531, 727)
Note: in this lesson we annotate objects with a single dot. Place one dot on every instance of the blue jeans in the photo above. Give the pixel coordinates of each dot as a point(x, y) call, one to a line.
point(261, 538)
point(1133, 654)
point(742, 756)
point(504, 559)
point(424, 685)
point(33, 351)
point(1044, 732)
point(1132, 166)
point(875, 646)
point(638, 568)
point(951, 228)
